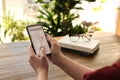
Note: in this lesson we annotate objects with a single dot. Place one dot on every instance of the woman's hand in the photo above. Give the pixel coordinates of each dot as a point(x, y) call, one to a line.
point(56, 50)
point(39, 63)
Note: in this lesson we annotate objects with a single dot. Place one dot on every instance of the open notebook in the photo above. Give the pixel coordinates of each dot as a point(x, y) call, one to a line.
point(88, 47)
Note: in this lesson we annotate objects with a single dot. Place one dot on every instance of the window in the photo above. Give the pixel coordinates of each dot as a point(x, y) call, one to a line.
point(103, 12)
point(1, 8)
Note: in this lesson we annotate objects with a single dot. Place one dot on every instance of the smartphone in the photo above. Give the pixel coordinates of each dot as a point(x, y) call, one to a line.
point(38, 38)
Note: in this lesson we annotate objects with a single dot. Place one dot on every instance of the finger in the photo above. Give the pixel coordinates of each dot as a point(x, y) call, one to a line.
point(32, 54)
point(50, 39)
point(42, 51)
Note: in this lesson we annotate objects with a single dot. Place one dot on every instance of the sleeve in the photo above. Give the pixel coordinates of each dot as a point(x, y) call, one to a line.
point(106, 73)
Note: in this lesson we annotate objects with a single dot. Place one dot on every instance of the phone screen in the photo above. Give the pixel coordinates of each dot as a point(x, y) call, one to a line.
point(38, 39)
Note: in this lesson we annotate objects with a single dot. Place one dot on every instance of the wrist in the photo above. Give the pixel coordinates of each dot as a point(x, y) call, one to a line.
point(42, 76)
point(59, 59)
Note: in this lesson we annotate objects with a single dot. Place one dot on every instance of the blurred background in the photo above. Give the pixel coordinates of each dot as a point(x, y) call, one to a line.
point(24, 12)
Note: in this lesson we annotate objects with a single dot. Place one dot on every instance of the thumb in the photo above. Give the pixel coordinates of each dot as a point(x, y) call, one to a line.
point(42, 51)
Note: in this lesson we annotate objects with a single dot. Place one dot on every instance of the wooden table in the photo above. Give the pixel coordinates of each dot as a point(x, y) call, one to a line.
point(14, 63)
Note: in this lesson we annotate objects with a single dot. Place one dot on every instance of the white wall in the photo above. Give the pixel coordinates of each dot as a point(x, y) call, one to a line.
point(109, 15)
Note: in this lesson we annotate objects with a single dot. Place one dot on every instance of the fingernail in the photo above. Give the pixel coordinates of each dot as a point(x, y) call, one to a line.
point(42, 47)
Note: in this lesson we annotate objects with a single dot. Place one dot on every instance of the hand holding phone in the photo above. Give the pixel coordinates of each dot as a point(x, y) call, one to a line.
point(38, 38)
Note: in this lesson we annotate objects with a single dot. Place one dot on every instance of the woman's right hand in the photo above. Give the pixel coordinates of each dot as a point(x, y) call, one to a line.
point(39, 63)
point(56, 50)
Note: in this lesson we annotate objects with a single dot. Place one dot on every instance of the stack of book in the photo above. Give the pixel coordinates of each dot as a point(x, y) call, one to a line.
point(80, 46)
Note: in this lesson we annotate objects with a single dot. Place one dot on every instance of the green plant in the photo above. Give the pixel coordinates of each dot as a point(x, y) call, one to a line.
point(56, 16)
point(14, 29)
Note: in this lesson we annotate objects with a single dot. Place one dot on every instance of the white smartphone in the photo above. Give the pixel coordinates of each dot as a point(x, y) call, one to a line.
point(38, 38)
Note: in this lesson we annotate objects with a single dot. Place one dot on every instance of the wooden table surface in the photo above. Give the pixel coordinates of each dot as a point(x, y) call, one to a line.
point(14, 63)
